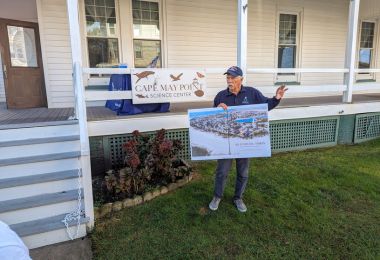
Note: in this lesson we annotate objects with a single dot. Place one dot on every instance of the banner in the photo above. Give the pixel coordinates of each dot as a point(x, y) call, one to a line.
point(238, 132)
point(167, 85)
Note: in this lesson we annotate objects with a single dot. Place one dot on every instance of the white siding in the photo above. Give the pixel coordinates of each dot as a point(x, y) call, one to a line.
point(55, 38)
point(202, 34)
point(2, 88)
point(370, 10)
point(261, 40)
point(322, 33)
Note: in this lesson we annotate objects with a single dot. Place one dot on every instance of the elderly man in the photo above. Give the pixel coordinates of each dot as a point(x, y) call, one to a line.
point(235, 95)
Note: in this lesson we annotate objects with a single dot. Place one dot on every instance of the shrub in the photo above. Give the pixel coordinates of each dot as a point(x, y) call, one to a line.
point(149, 162)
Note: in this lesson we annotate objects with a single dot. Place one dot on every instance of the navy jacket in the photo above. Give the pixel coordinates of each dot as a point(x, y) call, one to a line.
point(246, 96)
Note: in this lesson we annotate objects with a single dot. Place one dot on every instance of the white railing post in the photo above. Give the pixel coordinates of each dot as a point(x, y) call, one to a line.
point(80, 106)
point(349, 77)
point(242, 35)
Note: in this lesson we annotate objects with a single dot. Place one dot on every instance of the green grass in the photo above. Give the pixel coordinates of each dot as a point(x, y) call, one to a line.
point(313, 204)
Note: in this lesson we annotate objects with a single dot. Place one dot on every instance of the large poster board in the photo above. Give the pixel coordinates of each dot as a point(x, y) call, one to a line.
point(167, 85)
point(238, 132)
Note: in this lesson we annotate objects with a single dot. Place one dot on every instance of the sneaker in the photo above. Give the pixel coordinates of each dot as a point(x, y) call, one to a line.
point(240, 205)
point(214, 204)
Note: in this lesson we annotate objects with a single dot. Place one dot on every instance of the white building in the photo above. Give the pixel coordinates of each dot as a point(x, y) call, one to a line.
point(320, 49)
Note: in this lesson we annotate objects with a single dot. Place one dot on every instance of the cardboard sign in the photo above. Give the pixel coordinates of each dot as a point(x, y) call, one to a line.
point(238, 132)
point(167, 85)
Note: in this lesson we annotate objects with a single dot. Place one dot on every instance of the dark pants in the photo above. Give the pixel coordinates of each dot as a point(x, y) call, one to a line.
point(221, 174)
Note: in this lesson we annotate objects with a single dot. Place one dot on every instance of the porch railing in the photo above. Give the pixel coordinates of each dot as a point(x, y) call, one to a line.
point(300, 90)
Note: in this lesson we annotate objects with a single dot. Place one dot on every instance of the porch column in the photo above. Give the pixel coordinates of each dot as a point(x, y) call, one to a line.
point(80, 108)
point(242, 35)
point(350, 61)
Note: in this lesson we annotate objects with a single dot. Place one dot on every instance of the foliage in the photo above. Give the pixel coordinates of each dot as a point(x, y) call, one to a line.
point(315, 204)
point(148, 162)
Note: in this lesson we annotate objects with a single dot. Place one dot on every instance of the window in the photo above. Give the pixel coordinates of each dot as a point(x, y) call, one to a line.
point(287, 42)
point(146, 34)
point(366, 48)
point(102, 35)
point(22, 46)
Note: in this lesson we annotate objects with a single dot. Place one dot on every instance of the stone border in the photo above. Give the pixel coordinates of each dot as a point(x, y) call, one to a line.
point(108, 208)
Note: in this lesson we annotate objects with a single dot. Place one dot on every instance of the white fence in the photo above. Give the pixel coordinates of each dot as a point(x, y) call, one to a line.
point(294, 91)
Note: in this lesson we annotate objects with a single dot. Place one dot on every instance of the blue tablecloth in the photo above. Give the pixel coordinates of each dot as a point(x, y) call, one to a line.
point(120, 82)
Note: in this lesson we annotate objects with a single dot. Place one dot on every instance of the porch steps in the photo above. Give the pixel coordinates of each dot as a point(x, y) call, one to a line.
point(37, 201)
point(54, 139)
point(43, 225)
point(39, 180)
point(38, 158)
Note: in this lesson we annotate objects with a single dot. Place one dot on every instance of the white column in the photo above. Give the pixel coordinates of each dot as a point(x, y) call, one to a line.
point(350, 61)
point(80, 108)
point(242, 35)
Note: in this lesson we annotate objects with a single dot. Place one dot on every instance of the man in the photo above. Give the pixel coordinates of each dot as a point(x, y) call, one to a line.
point(235, 95)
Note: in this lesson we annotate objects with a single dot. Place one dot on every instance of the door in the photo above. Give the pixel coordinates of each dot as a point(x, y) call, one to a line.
point(22, 64)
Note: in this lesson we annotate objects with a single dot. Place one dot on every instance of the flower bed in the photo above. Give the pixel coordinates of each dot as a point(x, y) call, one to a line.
point(151, 167)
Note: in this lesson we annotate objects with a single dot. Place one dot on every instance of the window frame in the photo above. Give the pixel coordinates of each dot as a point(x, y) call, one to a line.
point(85, 36)
point(367, 76)
point(161, 29)
point(294, 77)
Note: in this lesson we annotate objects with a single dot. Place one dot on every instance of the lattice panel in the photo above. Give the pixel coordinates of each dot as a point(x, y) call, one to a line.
point(303, 133)
point(367, 127)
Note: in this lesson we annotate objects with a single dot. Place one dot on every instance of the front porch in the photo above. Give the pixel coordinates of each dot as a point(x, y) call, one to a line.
point(18, 118)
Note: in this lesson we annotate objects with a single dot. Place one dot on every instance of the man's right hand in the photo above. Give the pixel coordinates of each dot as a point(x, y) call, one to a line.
point(222, 105)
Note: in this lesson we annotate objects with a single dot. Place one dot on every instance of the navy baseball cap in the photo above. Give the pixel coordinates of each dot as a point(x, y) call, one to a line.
point(234, 71)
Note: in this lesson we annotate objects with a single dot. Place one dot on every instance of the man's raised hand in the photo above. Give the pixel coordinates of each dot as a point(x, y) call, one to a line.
point(281, 91)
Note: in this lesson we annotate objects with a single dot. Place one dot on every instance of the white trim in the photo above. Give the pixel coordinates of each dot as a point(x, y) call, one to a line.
point(296, 70)
point(41, 24)
point(370, 76)
point(222, 70)
point(242, 33)
point(80, 108)
point(350, 60)
point(374, 70)
point(95, 95)
point(296, 77)
point(178, 121)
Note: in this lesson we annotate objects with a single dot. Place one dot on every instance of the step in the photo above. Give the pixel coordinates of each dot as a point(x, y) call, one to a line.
point(33, 141)
point(38, 158)
point(52, 237)
point(29, 214)
point(35, 189)
point(43, 167)
point(43, 225)
point(39, 200)
point(38, 124)
point(39, 178)
point(13, 152)
point(38, 132)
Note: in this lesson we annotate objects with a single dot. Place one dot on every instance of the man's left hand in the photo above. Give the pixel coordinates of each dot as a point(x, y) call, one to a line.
point(280, 92)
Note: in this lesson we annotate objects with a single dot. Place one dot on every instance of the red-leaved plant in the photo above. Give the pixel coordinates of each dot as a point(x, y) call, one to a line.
point(148, 162)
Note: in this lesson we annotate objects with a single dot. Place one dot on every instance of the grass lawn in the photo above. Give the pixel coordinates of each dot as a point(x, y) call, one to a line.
point(313, 204)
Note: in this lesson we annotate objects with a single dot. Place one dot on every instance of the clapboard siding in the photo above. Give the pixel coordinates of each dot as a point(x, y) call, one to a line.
point(319, 46)
point(57, 52)
point(324, 35)
point(201, 34)
point(2, 87)
point(261, 40)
